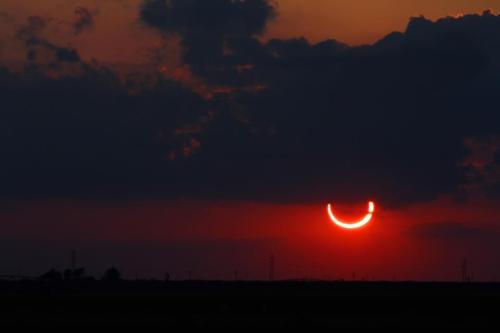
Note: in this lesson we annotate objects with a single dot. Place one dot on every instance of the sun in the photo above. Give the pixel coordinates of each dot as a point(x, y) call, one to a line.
point(353, 225)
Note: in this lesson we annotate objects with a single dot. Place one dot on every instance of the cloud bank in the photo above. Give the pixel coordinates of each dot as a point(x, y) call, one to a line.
point(295, 122)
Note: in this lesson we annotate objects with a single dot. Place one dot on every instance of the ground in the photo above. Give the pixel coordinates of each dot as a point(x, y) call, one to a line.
point(250, 304)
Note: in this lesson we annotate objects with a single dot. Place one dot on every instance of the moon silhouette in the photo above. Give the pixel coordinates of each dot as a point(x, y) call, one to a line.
point(354, 225)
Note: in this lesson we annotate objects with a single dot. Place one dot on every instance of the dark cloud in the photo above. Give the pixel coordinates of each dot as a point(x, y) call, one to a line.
point(88, 133)
point(223, 17)
point(385, 121)
point(67, 55)
point(39, 48)
point(84, 20)
point(215, 33)
point(452, 231)
point(57, 53)
point(33, 26)
point(482, 163)
point(296, 121)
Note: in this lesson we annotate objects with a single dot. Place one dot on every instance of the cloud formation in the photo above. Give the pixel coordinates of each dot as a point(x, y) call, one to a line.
point(37, 46)
point(383, 121)
point(215, 33)
point(292, 122)
point(444, 231)
point(84, 20)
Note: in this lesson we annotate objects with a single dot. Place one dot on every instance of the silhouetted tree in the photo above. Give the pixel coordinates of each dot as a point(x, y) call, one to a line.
point(112, 275)
point(52, 276)
point(79, 273)
point(68, 274)
point(74, 274)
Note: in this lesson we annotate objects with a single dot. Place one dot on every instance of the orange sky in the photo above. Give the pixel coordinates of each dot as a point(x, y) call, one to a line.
point(363, 21)
point(120, 37)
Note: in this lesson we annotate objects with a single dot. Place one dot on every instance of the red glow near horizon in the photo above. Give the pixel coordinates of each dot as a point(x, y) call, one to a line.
point(353, 225)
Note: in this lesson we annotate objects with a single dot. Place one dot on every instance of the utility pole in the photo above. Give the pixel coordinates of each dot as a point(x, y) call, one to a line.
point(465, 273)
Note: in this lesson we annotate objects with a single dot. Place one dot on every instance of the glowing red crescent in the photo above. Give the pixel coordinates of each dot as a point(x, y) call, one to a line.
point(355, 225)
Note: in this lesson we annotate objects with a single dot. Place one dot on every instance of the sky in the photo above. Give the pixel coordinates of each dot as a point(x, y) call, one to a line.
point(200, 137)
point(119, 35)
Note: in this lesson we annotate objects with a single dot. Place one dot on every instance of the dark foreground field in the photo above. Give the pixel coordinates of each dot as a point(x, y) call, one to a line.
point(246, 305)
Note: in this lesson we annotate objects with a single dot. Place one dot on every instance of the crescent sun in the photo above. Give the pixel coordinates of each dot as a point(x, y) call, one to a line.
point(355, 225)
